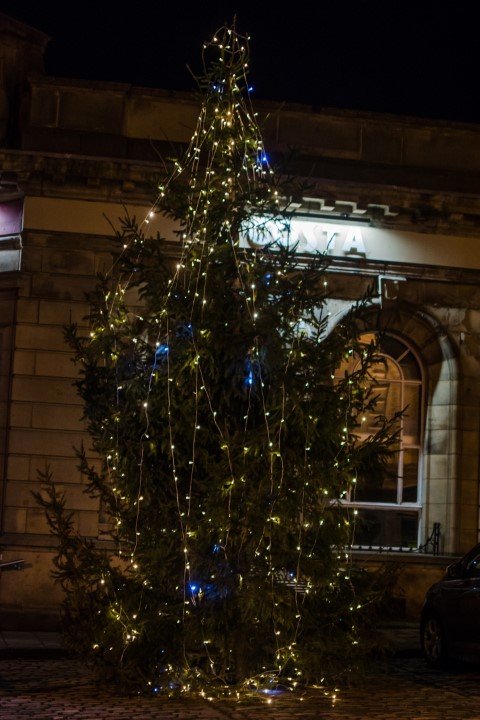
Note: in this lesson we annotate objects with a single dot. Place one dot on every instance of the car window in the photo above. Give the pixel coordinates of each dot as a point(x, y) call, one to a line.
point(473, 567)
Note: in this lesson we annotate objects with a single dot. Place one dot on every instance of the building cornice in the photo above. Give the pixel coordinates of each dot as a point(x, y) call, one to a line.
point(127, 181)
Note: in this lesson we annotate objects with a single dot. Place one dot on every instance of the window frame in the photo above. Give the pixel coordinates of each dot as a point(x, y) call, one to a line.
point(413, 508)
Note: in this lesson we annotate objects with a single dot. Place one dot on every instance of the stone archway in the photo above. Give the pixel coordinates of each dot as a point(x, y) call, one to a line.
point(441, 456)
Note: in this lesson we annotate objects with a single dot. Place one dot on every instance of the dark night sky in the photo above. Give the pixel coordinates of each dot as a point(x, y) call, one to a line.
point(413, 58)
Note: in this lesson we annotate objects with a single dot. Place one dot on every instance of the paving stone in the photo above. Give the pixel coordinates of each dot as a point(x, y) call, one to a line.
point(62, 689)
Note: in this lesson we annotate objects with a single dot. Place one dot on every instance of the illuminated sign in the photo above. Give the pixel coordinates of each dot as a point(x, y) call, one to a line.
point(350, 241)
point(306, 236)
point(11, 216)
point(362, 242)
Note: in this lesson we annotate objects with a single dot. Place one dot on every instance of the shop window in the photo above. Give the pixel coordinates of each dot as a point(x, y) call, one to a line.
point(11, 225)
point(387, 511)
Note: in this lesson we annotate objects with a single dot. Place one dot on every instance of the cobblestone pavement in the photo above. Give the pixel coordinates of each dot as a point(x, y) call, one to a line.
point(60, 689)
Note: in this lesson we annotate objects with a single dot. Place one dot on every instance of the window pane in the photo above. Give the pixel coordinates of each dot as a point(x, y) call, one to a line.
point(391, 346)
point(388, 401)
point(386, 528)
point(399, 352)
point(473, 567)
point(410, 368)
point(384, 369)
point(393, 399)
point(370, 420)
point(411, 418)
point(410, 475)
point(384, 491)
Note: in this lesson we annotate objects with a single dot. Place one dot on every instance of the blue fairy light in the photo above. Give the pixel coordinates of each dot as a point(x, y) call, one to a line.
point(249, 374)
point(252, 372)
point(271, 691)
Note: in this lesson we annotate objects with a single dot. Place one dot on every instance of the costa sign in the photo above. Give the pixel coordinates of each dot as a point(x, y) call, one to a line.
point(306, 236)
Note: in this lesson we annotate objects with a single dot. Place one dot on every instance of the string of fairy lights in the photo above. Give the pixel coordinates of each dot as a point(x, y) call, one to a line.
point(226, 107)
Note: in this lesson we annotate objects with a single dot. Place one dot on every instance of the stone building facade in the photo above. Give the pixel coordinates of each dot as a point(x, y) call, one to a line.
point(393, 201)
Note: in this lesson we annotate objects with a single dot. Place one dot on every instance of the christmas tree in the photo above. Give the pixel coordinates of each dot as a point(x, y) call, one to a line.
point(226, 435)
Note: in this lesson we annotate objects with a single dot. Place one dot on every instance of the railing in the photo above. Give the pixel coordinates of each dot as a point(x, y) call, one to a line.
point(431, 545)
point(433, 541)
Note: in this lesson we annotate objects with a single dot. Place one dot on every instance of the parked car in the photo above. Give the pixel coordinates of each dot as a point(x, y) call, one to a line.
point(450, 620)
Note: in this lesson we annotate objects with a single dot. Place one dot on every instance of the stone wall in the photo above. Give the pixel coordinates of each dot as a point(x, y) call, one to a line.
point(45, 410)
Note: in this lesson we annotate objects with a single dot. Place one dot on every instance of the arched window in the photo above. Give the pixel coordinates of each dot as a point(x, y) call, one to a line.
point(387, 514)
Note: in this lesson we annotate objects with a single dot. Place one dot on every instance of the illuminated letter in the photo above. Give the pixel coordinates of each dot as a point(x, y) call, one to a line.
point(353, 245)
point(307, 242)
point(331, 232)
